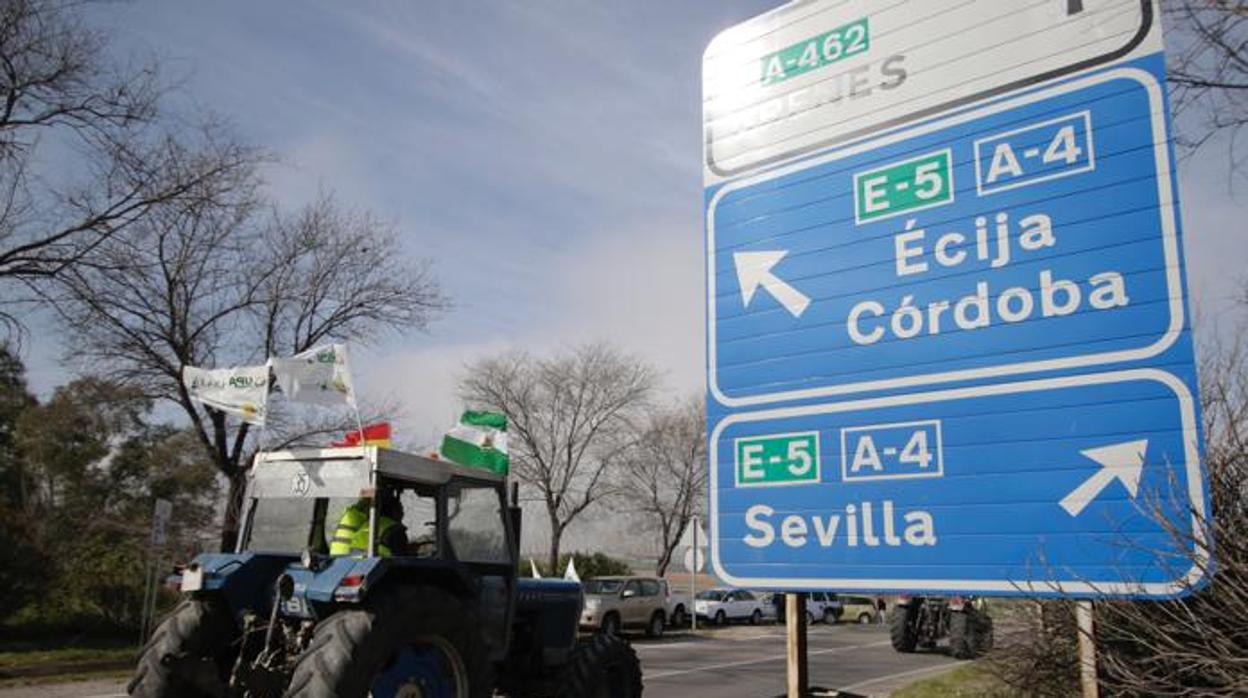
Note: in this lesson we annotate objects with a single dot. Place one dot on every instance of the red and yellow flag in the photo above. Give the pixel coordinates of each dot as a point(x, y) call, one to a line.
point(373, 435)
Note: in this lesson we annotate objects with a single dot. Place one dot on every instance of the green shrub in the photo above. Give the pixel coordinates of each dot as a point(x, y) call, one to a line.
point(587, 565)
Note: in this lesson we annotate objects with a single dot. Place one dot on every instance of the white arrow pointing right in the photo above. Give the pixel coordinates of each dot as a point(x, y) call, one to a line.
point(1124, 462)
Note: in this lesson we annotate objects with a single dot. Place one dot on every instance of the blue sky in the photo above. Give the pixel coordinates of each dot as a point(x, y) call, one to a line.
point(544, 154)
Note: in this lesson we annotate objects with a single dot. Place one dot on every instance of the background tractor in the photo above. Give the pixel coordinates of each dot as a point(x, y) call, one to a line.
point(922, 621)
point(442, 614)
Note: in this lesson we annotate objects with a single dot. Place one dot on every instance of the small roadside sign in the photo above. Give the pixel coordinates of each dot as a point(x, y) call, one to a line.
point(693, 529)
point(160, 522)
point(695, 559)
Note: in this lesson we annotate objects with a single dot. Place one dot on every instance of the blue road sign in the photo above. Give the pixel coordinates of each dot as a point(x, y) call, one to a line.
point(948, 340)
point(961, 490)
point(1050, 242)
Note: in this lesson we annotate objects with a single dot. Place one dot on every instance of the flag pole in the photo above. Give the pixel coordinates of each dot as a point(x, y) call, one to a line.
point(372, 475)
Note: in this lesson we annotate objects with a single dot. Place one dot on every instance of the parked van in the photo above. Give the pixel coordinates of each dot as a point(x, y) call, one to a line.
point(857, 609)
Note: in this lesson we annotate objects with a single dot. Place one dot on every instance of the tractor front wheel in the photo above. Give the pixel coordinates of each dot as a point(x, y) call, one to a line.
point(188, 655)
point(604, 666)
point(415, 641)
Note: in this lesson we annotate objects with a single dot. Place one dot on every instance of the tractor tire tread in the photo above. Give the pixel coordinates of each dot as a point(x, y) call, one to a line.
point(588, 669)
point(195, 627)
point(963, 630)
point(901, 631)
point(346, 647)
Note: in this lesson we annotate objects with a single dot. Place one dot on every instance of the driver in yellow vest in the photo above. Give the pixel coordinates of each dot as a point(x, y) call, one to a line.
point(351, 535)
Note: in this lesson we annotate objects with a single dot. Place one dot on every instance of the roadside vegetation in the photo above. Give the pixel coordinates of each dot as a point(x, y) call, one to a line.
point(972, 680)
point(587, 565)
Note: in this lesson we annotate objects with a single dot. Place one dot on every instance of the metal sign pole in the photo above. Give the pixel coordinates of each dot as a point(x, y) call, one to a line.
point(795, 645)
point(147, 582)
point(1087, 649)
point(693, 581)
point(151, 587)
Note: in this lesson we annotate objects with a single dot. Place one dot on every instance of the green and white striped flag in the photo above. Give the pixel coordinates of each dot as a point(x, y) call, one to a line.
point(479, 441)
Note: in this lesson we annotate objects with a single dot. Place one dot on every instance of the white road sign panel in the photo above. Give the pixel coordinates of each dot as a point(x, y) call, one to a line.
point(811, 74)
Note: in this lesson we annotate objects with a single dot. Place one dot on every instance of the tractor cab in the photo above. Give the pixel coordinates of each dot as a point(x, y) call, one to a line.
point(296, 500)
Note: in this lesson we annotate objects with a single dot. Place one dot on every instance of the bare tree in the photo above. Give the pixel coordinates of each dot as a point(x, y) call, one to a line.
point(80, 156)
point(210, 281)
point(569, 420)
point(1194, 646)
point(1208, 70)
point(664, 474)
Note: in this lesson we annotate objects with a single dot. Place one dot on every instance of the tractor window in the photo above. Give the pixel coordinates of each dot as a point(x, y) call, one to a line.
point(420, 518)
point(281, 525)
point(475, 523)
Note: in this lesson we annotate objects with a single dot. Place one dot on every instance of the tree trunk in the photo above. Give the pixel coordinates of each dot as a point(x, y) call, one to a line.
point(668, 543)
point(669, 551)
point(664, 561)
point(556, 534)
point(233, 511)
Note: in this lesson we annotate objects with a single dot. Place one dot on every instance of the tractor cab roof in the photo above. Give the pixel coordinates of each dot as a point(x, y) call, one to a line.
point(345, 472)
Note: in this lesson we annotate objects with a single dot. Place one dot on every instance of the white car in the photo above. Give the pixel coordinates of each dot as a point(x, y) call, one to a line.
point(720, 606)
point(820, 606)
point(678, 608)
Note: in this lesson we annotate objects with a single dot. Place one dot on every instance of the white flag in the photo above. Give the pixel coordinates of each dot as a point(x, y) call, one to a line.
point(321, 376)
point(533, 566)
point(570, 573)
point(242, 391)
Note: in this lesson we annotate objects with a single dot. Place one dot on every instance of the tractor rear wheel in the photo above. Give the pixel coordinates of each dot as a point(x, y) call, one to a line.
point(901, 631)
point(983, 641)
point(188, 655)
point(414, 641)
point(965, 639)
point(604, 666)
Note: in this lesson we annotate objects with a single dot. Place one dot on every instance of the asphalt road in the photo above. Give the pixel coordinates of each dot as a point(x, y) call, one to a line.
point(750, 662)
point(739, 661)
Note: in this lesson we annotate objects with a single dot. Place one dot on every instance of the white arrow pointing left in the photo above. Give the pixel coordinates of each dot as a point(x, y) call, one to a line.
point(1123, 462)
point(754, 270)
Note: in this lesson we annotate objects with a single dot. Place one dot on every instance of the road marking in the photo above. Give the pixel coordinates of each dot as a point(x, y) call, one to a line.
point(903, 674)
point(664, 646)
point(726, 665)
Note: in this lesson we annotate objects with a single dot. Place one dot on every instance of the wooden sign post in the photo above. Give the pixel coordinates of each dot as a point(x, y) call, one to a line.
point(795, 644)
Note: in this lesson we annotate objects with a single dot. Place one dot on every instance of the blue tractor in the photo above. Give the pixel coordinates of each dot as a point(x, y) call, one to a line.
point(430, 607)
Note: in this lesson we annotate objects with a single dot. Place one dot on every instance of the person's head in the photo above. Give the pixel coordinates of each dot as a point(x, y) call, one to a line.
point(388, 504)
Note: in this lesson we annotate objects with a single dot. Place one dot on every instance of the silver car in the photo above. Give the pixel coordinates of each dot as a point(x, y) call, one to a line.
point(614, 603)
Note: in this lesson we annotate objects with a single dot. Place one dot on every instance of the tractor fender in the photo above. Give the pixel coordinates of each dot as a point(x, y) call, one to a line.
point(243, 580)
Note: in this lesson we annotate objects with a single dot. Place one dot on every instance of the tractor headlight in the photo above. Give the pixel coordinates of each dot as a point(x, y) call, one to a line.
point(193, 577)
